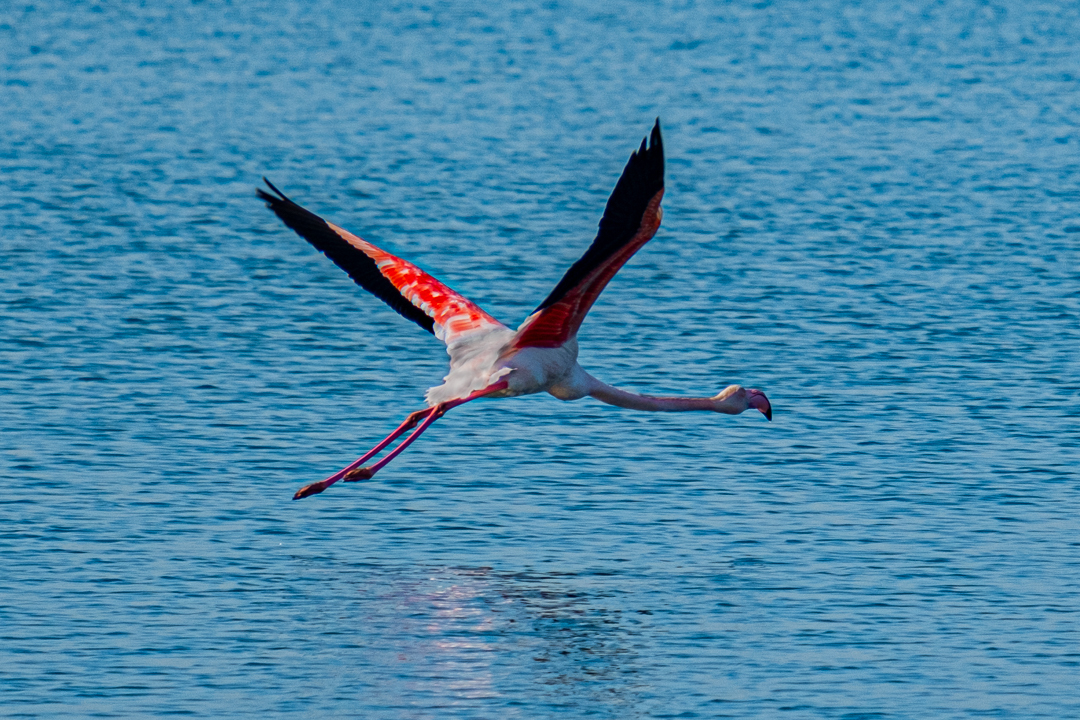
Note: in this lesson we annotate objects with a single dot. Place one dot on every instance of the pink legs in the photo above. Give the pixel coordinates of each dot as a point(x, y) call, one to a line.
point(318, 487)
point(424, 418)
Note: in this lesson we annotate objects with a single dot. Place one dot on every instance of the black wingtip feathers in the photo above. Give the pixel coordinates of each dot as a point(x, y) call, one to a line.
point(641, 180)
point(353, 261)
point(263, 195)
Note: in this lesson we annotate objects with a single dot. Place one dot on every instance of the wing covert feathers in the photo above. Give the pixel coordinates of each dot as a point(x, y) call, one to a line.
point(631, 218)
point(407, 289)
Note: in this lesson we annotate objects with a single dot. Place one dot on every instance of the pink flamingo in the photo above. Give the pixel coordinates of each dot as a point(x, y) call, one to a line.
point(488, 359)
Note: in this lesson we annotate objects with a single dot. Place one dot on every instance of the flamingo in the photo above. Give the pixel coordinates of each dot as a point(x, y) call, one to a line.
point(487, 358)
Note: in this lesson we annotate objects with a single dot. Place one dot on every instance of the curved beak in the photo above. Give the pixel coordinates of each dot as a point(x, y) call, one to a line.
point(759, 402)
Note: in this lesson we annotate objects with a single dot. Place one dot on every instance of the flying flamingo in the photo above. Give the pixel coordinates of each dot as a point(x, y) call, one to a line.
point(488, 359)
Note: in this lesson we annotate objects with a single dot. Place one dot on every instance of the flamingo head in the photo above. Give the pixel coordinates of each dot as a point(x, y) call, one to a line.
point(735, 399)
point(757, 400)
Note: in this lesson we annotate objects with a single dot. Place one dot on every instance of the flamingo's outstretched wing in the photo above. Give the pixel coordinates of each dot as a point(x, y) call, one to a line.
point(406, 288)
point(630, 220)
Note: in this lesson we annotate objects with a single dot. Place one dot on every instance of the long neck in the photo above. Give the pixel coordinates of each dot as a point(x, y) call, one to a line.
point(614, 396)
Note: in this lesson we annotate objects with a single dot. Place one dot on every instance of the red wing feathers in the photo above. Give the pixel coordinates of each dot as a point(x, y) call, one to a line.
point(403, 286)
point(630, 220)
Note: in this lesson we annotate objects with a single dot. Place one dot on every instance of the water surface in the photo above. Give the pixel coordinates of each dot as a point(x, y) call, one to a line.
point(871, 214)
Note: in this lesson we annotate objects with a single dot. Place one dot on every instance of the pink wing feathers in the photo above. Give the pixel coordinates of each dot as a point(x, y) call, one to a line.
point(631, 218)
point(403, 286)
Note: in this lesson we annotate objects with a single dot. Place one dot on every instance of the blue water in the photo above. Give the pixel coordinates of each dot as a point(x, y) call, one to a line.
point(873, 214)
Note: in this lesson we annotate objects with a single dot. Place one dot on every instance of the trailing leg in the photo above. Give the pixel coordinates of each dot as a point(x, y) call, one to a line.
point(421, 420)
point(410, 422)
